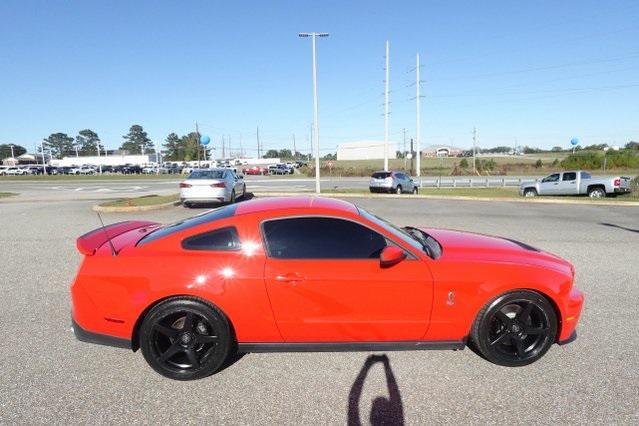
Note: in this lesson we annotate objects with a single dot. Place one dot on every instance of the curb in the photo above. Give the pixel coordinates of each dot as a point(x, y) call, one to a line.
point(456, 197)
point(125, 209)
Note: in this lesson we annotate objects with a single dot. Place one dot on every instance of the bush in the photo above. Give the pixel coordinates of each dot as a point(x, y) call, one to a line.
point(539, 164)
point(463, 163)
point(555, 163)
point(594, 160)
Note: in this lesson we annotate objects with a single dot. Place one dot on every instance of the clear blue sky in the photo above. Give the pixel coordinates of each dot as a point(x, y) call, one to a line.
point(542, 72)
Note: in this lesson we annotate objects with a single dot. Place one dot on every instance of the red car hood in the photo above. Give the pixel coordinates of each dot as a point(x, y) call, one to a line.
point(469, 246)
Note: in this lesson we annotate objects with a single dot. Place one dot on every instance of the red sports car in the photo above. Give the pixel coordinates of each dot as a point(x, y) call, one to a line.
point(315, 274)
point(256, 170)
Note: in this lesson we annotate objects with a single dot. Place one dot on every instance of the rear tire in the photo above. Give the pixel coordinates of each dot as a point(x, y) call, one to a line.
point(415, 190)
point(186, 204)
point(597, 192)
point(398, 190)
point(232, 200)
point(515, 329)
point(185, 339)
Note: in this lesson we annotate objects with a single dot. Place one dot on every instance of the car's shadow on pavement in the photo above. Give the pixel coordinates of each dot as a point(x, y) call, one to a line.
point(384, 410)
point(612, 225)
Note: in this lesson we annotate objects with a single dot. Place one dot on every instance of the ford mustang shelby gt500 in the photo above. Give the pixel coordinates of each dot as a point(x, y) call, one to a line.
point(314, 274)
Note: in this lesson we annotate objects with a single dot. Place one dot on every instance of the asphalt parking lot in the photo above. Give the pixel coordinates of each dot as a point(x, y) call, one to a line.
point(49, 377)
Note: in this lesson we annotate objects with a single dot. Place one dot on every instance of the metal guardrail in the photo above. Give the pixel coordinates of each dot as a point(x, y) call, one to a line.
point(472, 182)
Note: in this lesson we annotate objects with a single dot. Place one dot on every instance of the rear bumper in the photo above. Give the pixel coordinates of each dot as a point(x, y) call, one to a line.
point(97, 338)
point(380, 188)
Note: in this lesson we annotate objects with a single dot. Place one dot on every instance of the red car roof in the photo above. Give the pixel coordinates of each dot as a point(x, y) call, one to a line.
point(298, 202)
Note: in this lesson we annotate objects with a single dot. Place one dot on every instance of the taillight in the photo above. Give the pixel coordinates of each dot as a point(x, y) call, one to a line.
point(617, 182)
point(218, 185)
point(185, 185)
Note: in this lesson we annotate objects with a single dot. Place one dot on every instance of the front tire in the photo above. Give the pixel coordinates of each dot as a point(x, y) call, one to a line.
point(415, 190)
point(232, 199)
point(185, 339)
point(530, 192)
point(398, 190)
point(515, 329)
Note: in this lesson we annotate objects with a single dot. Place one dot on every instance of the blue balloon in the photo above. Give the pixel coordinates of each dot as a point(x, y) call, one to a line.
point(574, 141)
point(204, 140)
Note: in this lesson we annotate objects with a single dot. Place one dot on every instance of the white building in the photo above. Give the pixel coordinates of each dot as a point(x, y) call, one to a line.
point(365, 150)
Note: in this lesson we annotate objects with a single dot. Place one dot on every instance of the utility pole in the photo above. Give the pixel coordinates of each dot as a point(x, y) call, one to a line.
point(411, 158)
point(241, 150)
point(294, 147)
point(12, 157)
point(386, 82)
point(404, 147)
point(419, 120)
point(258, 142)
point(223, 151)
point(315, 113)
point(474, 149)
point(197, 135)
point(230, 150)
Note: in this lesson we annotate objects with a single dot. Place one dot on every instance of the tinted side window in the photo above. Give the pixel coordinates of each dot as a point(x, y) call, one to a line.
point(321, 238)
point(569, 176)
point(551, 178)
point(381, 175)
point(220, 239)
point(585, 175)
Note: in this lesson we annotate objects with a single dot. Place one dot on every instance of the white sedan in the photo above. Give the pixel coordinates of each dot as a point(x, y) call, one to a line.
point(211, 185)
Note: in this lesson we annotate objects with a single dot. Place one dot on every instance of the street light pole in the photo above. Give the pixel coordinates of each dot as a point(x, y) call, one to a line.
point(315, 114)
point(12, 157)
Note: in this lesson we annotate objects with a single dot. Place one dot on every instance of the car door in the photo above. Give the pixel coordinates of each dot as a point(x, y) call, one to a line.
point(568, 184)
point(549, 185)
point(325, 283)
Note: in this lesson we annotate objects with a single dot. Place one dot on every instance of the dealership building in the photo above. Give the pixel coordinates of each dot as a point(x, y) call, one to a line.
point(365, 150)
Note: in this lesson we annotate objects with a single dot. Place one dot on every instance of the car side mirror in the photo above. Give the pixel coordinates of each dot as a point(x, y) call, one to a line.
point(390, 256)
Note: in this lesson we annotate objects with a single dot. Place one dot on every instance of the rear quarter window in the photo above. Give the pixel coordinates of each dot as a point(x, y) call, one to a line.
point(208, 217)
point(224, 239)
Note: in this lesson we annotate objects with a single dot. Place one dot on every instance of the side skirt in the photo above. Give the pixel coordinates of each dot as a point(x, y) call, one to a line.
point(351, 346)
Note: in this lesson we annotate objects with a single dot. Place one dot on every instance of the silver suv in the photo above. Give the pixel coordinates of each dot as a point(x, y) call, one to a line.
point(397, 182)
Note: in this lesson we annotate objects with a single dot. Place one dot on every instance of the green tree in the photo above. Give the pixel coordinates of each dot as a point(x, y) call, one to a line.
point(330, 156)
point(191, 144)
point(136, 140)
point(59, 143)
point(285, 153)
point(463, 163)
point(538, 164)
point(88, 141)
point(5, 150)
point(557, 149)
point(271, 153)
point(174, 148)
point(555, 163)
point(632, 145)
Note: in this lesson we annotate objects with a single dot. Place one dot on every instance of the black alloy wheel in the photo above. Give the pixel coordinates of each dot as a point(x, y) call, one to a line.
point(185, 339)
point(516, 329)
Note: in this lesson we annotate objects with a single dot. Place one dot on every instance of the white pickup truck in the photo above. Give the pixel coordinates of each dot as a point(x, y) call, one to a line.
point(576, 183)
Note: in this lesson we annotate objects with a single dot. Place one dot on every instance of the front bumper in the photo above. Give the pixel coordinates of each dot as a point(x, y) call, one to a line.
point(571, 313)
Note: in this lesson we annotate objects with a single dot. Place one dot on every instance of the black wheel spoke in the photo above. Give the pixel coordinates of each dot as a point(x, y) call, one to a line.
point(167, 331)
point(206, 339)
point(172, 350)
point(502, 338)
point(188, 322)
point(519, 344)
point(535, 331)
point(192, 356)
point(505, 319)
point(524, 314)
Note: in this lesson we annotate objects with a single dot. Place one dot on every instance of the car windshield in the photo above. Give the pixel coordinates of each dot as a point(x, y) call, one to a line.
point(206, 174)
point(412, 236)
point(381, 175)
